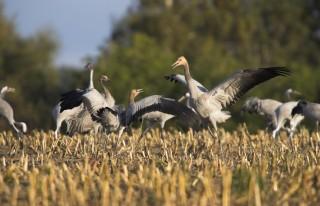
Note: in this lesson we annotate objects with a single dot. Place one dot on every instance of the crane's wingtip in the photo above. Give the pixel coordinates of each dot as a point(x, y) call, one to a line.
point(278, 70)
point(283, 71)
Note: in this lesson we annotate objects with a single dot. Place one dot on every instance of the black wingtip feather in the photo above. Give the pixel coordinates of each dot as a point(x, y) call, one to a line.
point(279, 70)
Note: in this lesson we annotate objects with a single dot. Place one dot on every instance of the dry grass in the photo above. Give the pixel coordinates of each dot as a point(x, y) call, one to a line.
point(182, 169)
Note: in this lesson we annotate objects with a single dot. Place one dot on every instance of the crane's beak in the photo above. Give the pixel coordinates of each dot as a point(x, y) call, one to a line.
point(296, 92)
point(139, 91)
point(175, 65)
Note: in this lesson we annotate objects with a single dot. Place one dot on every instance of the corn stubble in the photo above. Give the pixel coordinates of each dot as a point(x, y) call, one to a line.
point(237, 168)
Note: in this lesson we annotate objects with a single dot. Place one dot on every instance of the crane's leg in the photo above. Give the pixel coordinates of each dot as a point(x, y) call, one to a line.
point(317, 129)
point(278, 127)
point(214, 124)
point(17, 131)
point(149, 126)
point(162, 132)
point(58, 126)
point(120, 131)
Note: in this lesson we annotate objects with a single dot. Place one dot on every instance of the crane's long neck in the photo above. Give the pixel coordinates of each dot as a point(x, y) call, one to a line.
point(91, 86)
point(190, 85)
point(105, 89)
point(131, 98)
point(3, 92)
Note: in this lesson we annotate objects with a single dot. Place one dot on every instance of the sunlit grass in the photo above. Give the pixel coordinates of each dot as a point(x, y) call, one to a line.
point(182, 169)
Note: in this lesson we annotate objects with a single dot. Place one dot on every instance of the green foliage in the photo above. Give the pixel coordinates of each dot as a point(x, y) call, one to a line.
point(26, 64)
point(217, 37)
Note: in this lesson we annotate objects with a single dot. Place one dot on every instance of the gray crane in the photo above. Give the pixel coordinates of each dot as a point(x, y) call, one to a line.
point(283, 116)
point(209, 104)
point(309, 110)
point(83, 122)
point(7, 112)
point(122, 118)
point(70, 104)
point(263, 107)
point(267, 108)
point(151, 119)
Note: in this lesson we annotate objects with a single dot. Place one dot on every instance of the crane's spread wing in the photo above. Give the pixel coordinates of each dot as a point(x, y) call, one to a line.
point(181, 79)
point(94, 101)
point(229, 91)
point(108, 117)
point(71, 99)
point(82, 123)
point(157, 103)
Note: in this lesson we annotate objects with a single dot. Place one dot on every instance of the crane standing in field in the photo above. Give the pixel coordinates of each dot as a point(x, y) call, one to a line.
point(268, 107)
point(70, 104)
point(7, 112)
point(283, 115)
point(263, 107)
point(209, 104)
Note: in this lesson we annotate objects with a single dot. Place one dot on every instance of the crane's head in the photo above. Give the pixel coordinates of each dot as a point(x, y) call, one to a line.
point(104, 78)
point(136, 92)
point(290, 91)
point(182, 61)
point(89, 66)
point(7, 89)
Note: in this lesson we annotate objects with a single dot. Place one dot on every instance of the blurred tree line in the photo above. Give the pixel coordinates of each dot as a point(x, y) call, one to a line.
point(217, 37)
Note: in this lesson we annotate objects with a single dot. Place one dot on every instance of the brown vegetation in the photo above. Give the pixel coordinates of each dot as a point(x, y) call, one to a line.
point(182, 169)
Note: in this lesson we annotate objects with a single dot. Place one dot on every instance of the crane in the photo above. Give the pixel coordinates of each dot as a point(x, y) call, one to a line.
point(83, 122)
point(209, 104)
point(7, 112)
point(264, 107)
point(70, 104)
point(119, 118)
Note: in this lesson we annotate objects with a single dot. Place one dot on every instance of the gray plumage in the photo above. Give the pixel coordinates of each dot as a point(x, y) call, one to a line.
point(70, 104)
point(309, 110)
point(263, 107)
point(7, 112)
point(135, 110)
point(83, 122)
point(209, 104)
point(283, 115)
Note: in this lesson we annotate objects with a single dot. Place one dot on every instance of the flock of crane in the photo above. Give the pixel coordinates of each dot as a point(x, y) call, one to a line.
point(87, 110)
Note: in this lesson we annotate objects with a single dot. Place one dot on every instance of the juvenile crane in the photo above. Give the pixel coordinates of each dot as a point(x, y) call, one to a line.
point(122, 118)
point(209, 104)
point(158, 117)
point(7, 112)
